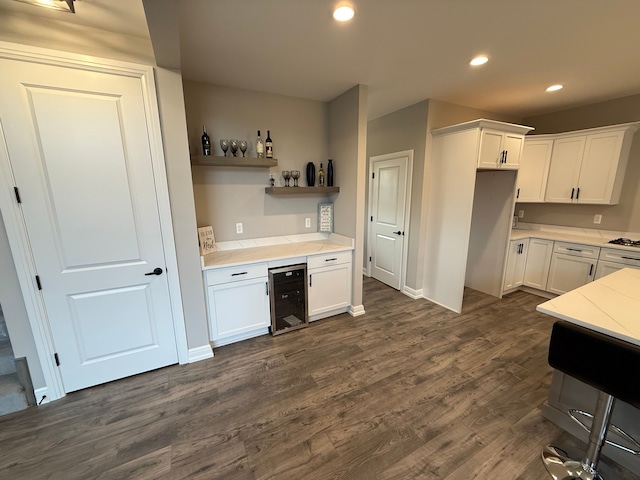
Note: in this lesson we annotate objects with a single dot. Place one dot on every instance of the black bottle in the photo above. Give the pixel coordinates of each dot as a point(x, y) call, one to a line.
point(311, 174)
point(206, 142)
point(269, 145)
point(330, 173)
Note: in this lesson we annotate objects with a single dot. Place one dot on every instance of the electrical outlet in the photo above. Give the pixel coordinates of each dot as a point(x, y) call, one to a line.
point(307, 223)
point(520, 213)
point(238, 228)
point(597, 219)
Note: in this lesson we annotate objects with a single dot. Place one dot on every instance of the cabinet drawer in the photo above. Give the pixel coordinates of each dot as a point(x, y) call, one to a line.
point(326, 259)
point(620, 256)
point(217, 276)
point(576, 249)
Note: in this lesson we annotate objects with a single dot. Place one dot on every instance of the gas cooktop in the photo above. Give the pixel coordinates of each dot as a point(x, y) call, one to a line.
point(626, 242)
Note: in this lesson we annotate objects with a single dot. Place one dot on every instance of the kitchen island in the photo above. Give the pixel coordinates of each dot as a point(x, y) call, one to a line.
point(609, 305)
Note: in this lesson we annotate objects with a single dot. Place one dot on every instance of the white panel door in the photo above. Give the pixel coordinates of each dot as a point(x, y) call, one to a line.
point(599, 167)
point(567, 273)
point(389, 186)
point(80, 153)
point(534, 168)
point(512, 146)
point(491, 148)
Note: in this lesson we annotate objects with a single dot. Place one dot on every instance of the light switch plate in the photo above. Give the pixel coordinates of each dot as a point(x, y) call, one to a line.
point(307, 223)
point(597, 219)
point(238, 228)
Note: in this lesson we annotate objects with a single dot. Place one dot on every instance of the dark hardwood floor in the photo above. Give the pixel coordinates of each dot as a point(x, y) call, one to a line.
point(409, 390)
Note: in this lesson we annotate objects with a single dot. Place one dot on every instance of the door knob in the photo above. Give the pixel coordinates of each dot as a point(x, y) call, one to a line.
point(398, 232)
point(156, 271)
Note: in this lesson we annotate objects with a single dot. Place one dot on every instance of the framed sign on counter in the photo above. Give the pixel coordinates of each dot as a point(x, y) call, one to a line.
point(325, 217)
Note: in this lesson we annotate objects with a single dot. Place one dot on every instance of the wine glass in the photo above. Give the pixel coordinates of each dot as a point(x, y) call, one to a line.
point(243, 146)
point(234, 146)
point(224, 145)
point(286, 174)
point(295, 174)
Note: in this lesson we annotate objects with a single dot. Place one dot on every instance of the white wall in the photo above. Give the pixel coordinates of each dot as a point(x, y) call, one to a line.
point(225, 196)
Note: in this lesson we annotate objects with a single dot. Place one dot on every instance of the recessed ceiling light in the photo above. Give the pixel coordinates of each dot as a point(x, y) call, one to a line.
point(479, 60)
point(64, 5)
point(343, 13)
point(555, 88)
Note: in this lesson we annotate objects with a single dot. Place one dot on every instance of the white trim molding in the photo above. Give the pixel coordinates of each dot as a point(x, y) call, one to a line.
point(42, 395)
point(356, 311)
point(200, 353)
point(411, 293)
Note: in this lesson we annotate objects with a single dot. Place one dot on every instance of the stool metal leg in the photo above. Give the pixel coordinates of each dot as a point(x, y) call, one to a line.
point(560, 467)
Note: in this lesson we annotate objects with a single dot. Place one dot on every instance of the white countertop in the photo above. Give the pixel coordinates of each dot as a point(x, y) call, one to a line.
point(597, 238)
point(289, 248)
point(609, 305)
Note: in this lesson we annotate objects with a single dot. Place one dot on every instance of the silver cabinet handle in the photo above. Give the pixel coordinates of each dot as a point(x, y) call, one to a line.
point(574, 249)
point(331, 259)
point(266, 285)
point(591, 270)
point(310, 279)
point(236, 274)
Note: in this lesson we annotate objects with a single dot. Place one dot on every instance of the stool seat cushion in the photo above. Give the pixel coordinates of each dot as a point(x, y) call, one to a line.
point(606, 363)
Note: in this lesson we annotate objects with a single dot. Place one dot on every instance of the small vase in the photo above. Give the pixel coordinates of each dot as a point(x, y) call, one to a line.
point(311, 174)
point(330, 173)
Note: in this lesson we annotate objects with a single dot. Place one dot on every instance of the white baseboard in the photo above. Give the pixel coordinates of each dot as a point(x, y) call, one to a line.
point(356, 311)
point(410, 292)
point(42, 395)
point(200, 353)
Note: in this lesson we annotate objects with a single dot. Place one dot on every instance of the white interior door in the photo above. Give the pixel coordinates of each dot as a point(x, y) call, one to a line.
point(388, 203)
point(79, 150)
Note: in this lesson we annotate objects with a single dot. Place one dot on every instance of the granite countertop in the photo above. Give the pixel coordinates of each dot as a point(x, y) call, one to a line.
point(609, 305)
point(300, 246)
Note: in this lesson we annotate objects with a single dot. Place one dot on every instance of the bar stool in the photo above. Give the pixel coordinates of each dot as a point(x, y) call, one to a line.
point(606, 364)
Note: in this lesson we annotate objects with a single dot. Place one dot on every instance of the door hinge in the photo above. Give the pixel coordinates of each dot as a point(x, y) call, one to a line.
point(38, 282)
point(369, 258)
point(55, 355)
point(17, 192)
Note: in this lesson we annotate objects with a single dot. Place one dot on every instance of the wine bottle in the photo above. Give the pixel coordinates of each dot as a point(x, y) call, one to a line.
point(206, 142)
point(330, 173)
point(259, 146)
point(269, 145)
point(321, 176)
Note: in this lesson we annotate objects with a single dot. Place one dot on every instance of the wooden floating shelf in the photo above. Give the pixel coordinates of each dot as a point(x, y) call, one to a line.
point(211, 161)
point(301, 190)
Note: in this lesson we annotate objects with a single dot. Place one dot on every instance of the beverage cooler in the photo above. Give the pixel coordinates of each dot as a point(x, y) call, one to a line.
point(288, 294)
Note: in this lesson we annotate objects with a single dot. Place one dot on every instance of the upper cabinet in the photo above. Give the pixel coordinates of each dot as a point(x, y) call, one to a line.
point(534, 169)
point(588, 166)
point(500, 149)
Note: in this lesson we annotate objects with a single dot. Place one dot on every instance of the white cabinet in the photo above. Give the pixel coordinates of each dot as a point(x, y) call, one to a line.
point(516, 261)
point(531, 185)
point(539, 254)
point(238, 302)
point(611, 260)
point(588, 166)
point(572, 265)
point(329, 284)
point(500, 149)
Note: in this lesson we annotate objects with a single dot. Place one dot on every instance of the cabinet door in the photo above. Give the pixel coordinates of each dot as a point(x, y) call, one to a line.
point(564, 169)
point(237, 308)
point(534, 169)
point(539, 254)
point(490, 149)
point(512, 145)
point(568, 272)
point(605, 268)
point(516, 261)
point(599, 167)
point(329, 289)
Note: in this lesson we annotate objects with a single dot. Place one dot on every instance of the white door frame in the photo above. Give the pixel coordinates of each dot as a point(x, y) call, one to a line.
point(407, 211)
point(16, 227)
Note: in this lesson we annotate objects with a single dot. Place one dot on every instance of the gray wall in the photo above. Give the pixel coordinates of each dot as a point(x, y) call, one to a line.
point(225, 196)
point(347, 146)
point(622, 217)
point(405, 129)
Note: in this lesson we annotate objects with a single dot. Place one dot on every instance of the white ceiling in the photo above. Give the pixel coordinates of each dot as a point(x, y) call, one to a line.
point(404, 50)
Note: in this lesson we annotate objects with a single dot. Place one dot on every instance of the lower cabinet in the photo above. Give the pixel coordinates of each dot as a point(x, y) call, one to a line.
point(539, 254)
point(612, 260)
point(516, 262)
point(572, 265)
point(238, 303)
point(329, 284)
